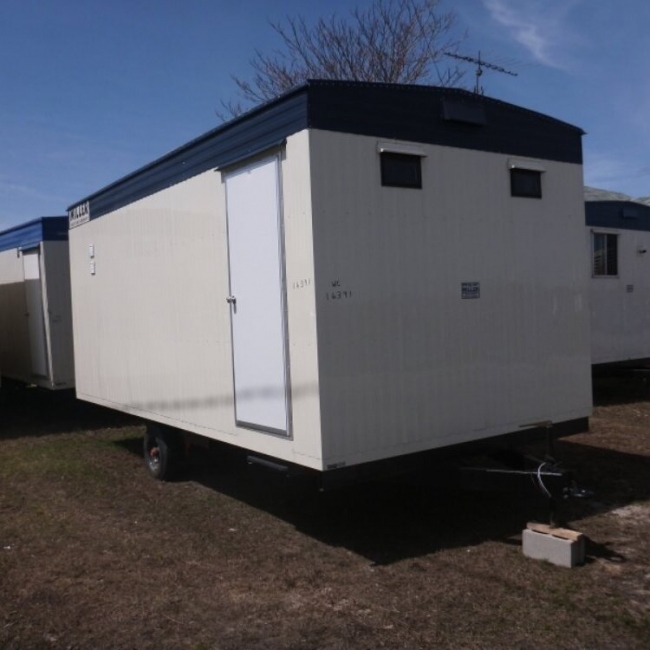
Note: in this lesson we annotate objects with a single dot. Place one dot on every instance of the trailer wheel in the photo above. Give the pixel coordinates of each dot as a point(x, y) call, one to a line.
point(162, 451)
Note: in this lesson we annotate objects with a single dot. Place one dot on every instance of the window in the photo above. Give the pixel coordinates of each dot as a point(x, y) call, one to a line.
point(526, 183)
point(605, 254)
point(401, 170)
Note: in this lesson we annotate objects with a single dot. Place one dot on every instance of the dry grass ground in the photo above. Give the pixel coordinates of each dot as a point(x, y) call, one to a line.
point(94, 554)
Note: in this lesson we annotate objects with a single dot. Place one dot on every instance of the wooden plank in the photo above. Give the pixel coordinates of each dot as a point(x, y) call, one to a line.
point(563, 533)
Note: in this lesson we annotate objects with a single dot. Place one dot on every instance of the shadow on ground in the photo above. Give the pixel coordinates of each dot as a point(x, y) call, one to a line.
point(409, 517)
point(29, 411)
point(620, 386)
point(383, 521)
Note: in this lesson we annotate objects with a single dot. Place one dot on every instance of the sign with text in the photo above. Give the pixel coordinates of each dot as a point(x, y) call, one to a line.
point(470, 290)
point(79, 214)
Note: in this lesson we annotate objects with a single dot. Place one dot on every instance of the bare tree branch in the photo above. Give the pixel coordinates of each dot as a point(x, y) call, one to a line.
point(391, 41)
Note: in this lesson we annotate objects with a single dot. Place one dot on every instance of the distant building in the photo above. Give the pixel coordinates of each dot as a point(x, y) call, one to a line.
point(35, 310)
point(619, 243)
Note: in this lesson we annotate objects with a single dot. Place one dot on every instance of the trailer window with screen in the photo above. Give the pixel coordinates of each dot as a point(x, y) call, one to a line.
point(605, 254)
point(401, 170)
point(526, 183)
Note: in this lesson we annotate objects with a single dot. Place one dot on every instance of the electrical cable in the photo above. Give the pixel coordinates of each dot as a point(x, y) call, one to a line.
point(541, 482)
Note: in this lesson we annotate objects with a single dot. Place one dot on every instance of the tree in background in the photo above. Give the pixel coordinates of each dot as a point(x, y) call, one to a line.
point(390, 41)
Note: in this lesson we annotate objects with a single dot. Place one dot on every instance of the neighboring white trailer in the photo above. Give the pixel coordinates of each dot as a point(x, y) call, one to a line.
point(351, 273)
point(35, 310)
point(618, 233)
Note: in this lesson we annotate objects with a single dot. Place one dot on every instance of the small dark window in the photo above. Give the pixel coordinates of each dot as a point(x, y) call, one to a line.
point(605, 254)
point(401, 170)
point(526, 182)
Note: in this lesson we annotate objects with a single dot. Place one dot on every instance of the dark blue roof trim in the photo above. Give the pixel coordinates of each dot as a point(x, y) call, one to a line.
point(460, 111)
point(417, 113)
point(227, 145)
point(619, 215)
point(32, 233)
point(427, 114)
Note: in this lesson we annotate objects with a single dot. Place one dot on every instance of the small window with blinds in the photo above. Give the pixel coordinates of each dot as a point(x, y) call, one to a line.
point(605, 255)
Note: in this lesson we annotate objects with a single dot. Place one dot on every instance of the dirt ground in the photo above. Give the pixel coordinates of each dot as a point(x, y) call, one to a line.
point(95, 554)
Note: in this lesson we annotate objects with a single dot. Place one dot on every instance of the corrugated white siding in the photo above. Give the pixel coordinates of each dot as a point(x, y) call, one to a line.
point(405, 364)
point(620, 306)
point(301, 297)
point(152, 326)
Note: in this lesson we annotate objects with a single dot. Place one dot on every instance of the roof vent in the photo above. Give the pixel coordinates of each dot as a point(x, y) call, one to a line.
point(455, 110)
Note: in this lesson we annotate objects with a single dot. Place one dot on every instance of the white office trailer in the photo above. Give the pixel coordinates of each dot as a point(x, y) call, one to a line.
point(351, 273)
point(618, 240)
point(35, 309)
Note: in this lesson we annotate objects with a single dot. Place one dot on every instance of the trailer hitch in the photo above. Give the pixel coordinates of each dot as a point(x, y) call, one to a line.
point(510, 470)
point(549, 480)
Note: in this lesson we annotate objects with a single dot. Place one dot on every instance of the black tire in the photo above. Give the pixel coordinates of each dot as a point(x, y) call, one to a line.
point(163, 451)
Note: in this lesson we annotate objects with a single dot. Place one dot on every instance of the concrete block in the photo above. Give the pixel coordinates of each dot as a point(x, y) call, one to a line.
point(557, 549)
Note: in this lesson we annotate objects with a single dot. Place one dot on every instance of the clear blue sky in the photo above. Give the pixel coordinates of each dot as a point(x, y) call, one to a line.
point(92, 90)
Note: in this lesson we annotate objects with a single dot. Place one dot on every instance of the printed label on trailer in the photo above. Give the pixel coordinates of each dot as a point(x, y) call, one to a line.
point(79, 214)
point(470, 290)
point(338, 293)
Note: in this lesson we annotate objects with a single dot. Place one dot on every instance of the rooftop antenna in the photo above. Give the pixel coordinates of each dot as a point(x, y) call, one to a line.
point(480, 64)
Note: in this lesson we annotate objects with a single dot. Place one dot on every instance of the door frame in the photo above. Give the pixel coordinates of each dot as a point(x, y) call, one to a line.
point(239, 168)
point(38, 250)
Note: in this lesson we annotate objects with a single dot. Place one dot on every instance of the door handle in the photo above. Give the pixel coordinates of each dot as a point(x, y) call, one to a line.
point(231, 300)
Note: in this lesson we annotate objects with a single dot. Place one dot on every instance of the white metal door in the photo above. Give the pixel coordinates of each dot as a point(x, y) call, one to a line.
point(35, 313)
point(257, 297)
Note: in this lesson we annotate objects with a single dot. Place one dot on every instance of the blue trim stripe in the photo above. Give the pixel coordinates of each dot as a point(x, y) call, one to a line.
point(427, 114)
point(33, 232)
point(418, 114)
point(219, 148)
point(617, 215)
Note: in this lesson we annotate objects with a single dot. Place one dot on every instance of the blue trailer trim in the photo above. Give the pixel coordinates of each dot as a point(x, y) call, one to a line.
point(244, 137)
point(426, 114)
point(618, 215)
point(32, 233)
point(443, 116)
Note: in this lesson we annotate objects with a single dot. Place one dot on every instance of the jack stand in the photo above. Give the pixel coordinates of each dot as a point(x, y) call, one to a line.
point(559, 546)
point(552, 513)
point(550, 442)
